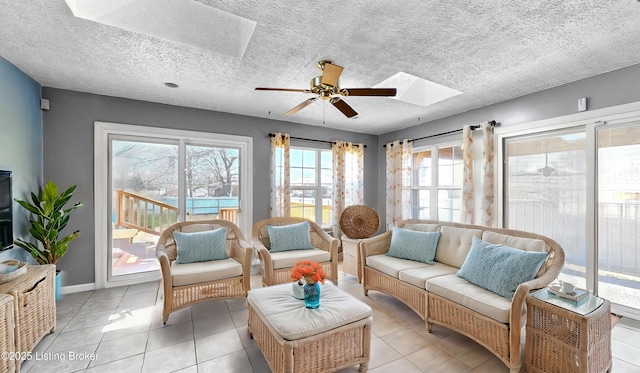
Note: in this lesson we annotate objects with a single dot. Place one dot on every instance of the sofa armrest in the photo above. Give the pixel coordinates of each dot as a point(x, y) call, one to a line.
point(323, 241)
point(265, 257)
point(242, 253)
point(165, 267)
point(375, 245)
point(515, 319)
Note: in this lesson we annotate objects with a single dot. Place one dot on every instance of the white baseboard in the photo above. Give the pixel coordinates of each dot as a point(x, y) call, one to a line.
point(77, 288)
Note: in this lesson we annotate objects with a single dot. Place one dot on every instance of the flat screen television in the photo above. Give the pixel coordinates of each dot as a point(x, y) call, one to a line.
point(6, 211)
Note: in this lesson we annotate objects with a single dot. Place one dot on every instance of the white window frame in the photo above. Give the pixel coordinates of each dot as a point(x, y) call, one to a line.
point(587, 120)
point(433, 145)
point(318, 187)
point(102, 131)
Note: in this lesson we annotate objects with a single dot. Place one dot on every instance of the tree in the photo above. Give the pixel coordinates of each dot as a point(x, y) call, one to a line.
point(215, 168)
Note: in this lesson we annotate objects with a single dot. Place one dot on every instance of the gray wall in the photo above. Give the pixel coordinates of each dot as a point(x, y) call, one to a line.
point(69, 156)
point(20, 144)
point(68, 140)
point(610, 89)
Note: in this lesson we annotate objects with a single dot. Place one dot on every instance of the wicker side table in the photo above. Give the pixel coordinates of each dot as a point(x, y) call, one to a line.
point(34, 307)
point(7, 340)
point(351, 257)
point(562, 337)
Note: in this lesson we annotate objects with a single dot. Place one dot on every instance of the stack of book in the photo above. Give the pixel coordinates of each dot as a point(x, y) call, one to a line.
point(576, 297)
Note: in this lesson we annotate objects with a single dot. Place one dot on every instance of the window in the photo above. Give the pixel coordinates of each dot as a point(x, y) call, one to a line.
point(436, 185)
point(311, 178)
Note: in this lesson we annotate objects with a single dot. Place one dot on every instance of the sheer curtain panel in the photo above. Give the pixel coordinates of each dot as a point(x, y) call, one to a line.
point(398, 161)
point(488, 176)
point(280, 181)
point(348, 178)
point(468, 200)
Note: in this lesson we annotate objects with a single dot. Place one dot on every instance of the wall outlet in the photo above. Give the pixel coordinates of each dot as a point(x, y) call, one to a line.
point(582, 104)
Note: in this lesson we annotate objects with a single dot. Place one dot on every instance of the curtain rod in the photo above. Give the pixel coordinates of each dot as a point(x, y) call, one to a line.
point(314, 140)
point(491, 123)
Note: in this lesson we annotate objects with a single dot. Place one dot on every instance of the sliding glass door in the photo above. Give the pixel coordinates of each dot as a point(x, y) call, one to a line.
point(618, 213)
point(147, 180)
point(581, 187)
point(546, 192)
point(144, 184)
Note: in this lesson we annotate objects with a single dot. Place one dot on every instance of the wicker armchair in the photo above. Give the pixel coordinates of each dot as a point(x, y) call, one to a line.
point(277, 266)
point(187, 284)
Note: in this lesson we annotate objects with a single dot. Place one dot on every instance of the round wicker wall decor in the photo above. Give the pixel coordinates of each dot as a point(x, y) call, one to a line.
point(359, 221)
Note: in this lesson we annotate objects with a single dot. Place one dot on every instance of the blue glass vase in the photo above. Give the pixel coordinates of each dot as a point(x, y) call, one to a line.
point(312, 295)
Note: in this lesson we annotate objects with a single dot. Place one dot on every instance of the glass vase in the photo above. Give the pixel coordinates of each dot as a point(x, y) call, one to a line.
point(312, 295)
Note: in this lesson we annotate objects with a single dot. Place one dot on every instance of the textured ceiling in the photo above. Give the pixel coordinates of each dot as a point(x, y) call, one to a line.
point(491, 50)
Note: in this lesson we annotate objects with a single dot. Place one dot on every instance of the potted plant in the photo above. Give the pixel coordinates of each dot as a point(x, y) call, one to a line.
point(48, 218)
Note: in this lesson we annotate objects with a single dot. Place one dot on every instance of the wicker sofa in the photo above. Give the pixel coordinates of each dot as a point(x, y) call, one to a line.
point(440, 297)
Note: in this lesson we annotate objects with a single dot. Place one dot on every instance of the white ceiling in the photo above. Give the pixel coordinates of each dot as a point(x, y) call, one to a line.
point(491, 50)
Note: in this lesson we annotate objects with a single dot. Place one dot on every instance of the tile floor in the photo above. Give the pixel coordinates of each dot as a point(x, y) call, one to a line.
point(123, 328)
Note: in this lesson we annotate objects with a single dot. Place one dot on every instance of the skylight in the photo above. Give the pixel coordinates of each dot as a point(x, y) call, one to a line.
point(416, 90)
point(185, 22)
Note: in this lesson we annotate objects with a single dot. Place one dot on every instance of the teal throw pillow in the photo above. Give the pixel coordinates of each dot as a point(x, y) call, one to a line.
point(500, 268)
point(414, 245)
point(201, 246)
point(290, 237)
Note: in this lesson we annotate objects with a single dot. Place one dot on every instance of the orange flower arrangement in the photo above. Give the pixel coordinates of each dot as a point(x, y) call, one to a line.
point(310, 270)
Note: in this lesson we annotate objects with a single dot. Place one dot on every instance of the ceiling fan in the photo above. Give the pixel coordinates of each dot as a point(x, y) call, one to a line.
point(327, 87)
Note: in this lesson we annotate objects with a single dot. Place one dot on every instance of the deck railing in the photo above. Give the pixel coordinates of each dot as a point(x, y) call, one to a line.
point(229, 214)
point(143, 213)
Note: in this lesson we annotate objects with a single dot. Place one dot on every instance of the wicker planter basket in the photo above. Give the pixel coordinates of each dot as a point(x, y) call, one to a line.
point(359, 221)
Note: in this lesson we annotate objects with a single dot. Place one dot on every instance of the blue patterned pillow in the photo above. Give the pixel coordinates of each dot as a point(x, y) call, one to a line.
point(500, 268)
point(414, 245)
point(290, 237)
point(201, 246)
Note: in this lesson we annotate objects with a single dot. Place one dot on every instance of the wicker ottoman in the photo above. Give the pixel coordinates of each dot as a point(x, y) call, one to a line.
point(296, 339)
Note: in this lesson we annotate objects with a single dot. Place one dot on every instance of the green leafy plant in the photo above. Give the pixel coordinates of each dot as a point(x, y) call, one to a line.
point(48, 219)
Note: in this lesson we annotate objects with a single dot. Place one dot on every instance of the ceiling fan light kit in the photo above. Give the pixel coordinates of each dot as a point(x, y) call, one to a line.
point(327, 87)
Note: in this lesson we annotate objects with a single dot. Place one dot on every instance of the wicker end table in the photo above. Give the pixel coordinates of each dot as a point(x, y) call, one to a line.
point(351, 257)
point(564, 337)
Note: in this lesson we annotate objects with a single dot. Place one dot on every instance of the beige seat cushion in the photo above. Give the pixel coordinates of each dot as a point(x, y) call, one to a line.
point(454, 245)
point(286, 259)
point(391, 265)
point(419, 276)
point(474, 297)
point(195, 273)
point(289, 318)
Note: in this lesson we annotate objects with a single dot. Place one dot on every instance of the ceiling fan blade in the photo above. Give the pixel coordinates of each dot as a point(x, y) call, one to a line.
point(343, 107)
point(369, 91)
point(283, 89)
point(301, 106)
point(331, 74)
